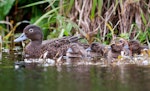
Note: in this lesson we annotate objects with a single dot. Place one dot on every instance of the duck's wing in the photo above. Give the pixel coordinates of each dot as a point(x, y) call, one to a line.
point(64, 40)
point(57, 47)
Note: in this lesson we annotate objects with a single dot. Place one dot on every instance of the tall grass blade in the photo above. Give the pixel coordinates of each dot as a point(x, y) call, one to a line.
point(116, 4)
point(131, 29)
point(0, 43)
point(33, 4)
point(45, 15)
point(143, 18)
point(93, 9)
point(137, 35)
point(110, 28)
point(70, 5)
point(100, 5)
point(61, 33)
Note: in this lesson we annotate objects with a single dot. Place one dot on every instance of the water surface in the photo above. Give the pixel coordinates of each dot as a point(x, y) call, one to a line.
point(72, 78)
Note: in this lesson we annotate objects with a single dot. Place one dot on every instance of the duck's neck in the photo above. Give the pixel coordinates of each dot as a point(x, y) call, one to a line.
point(36, 43)
point(33, 49)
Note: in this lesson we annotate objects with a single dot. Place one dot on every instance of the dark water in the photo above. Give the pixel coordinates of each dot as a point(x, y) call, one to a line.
point(72, 78)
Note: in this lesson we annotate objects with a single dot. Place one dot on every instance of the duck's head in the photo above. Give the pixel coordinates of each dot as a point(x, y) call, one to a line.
point(94, 46)
point(134, 44)
point(116, 47)
point(31, 32)
point(74, 48)
point(124, 42)
point(74, 51)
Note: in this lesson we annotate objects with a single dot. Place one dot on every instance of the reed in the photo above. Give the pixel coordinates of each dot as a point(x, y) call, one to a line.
point(1, 43)
point(96, 20)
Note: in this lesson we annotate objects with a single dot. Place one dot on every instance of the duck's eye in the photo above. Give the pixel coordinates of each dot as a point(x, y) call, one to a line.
point(30, 30)
point(120, 41)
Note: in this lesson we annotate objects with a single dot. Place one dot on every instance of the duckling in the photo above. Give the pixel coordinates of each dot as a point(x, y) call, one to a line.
point(98, 50)
point(125, 45)
point(135, 47)
point(75, 50)
point(114, 52)
point(75, 53)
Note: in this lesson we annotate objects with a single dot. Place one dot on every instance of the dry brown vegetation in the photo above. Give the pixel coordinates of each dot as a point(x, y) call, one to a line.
point(128, 18)
point(96, 20)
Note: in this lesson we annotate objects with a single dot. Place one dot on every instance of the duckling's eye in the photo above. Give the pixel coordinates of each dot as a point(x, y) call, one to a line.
point(120, 41)
point(30, 30)
point(73, 46)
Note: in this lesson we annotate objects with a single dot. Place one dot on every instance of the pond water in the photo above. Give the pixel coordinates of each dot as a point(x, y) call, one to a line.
point(72, 78)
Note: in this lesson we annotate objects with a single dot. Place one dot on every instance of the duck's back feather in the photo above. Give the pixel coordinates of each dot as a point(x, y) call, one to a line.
point(58, 47)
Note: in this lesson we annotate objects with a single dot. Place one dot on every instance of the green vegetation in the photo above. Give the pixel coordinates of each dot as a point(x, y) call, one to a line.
point(96, 20)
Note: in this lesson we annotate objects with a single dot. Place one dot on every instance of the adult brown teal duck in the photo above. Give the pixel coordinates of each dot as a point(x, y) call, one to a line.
point(37, 47)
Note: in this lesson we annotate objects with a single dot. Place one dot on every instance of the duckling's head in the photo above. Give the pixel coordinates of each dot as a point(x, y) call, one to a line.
point(74, 48)
point(94, 46)
point(134, 45)
point(97, 47)
point(74, 51)
point(116, 47)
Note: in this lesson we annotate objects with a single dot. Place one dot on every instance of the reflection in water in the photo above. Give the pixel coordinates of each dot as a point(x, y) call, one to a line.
point(73, 78)
point(0, 55)
point(76, 78)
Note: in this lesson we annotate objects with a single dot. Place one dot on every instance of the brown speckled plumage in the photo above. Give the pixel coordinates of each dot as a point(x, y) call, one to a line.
point(135, 47)
point(99, 49)
point(36, 48)
point(114, 52)
point(77, 50)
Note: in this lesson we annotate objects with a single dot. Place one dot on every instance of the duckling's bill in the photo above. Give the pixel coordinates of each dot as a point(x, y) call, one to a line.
point(21, 38)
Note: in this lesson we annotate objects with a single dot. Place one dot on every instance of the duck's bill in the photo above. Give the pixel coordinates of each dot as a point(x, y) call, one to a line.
point(126, 47)
point(69, 50)
point(89, 49)
point(21, 38)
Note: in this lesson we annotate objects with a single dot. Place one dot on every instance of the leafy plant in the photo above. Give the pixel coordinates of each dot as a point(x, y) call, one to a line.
point(5, 6)
point(104, 18)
